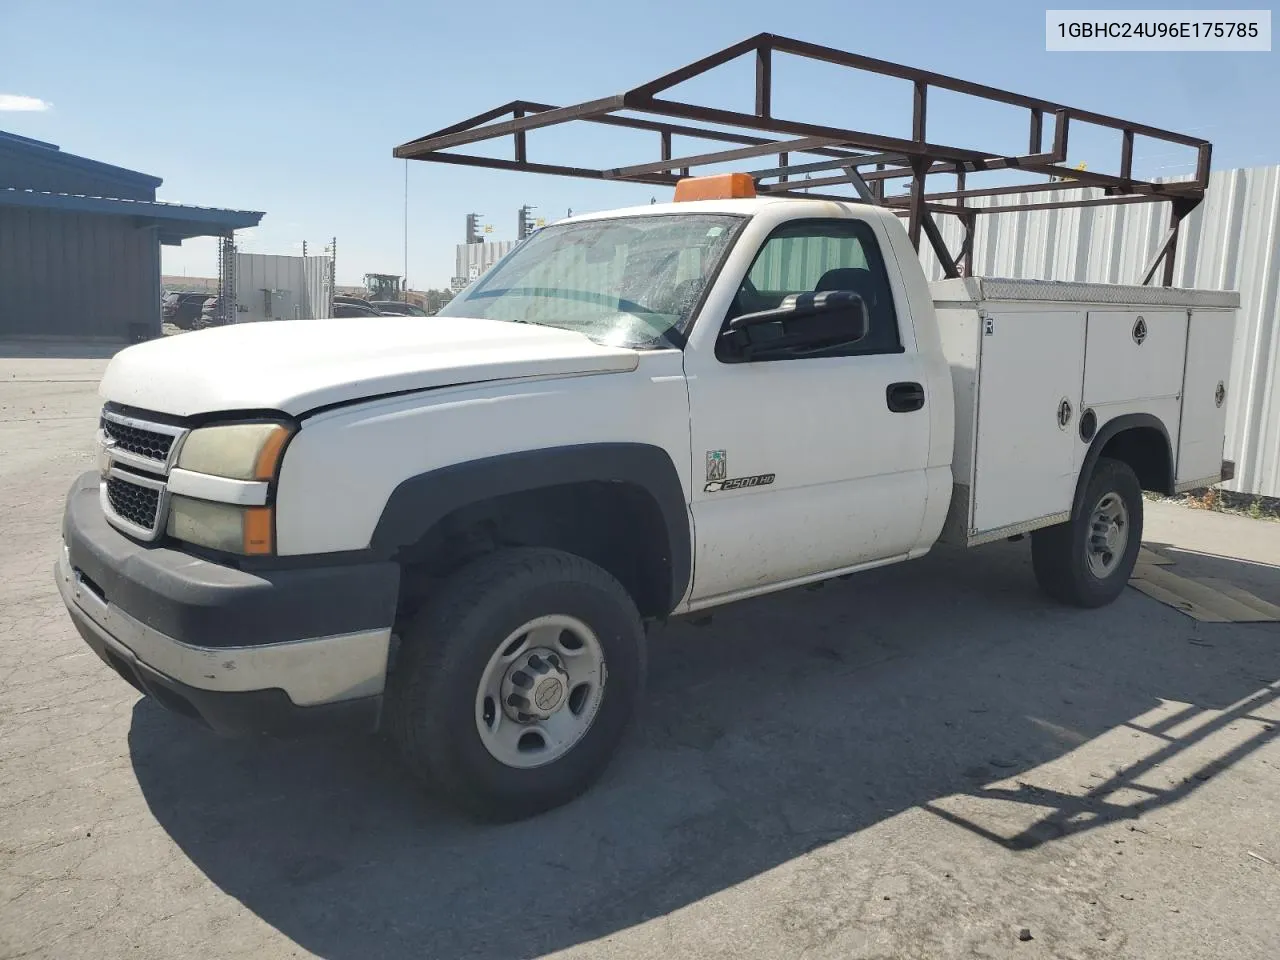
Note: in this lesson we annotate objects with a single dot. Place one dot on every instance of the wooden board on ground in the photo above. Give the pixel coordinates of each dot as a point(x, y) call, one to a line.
point(1207, 599)
point(1147, 555)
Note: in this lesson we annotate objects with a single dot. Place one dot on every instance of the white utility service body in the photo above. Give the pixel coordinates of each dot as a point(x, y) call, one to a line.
point(417, 512)
point(1031, 360)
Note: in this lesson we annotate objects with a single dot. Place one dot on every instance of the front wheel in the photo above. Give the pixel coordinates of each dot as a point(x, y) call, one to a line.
point(1087, 561)
point(515, 684)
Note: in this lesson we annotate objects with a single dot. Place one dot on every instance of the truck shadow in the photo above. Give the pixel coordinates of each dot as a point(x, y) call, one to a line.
point(947, 685)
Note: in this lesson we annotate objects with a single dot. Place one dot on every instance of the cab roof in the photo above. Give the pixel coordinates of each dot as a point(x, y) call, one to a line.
point(739, 207)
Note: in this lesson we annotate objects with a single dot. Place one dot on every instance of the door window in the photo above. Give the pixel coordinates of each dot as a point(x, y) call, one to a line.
point(813, 256)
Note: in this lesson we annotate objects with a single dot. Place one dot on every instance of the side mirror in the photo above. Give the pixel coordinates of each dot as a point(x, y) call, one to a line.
point(802, 323)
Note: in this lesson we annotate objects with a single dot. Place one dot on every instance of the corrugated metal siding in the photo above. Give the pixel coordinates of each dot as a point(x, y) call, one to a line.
point(317, 286)
point(298, 287)
point(1231, 242)
point(76, 275)
point(793, 263)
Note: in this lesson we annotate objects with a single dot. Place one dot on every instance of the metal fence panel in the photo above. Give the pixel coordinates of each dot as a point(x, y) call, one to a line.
point(317, 285)
point(281, 288)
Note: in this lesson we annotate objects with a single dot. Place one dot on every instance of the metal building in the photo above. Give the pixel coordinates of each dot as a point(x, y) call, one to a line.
point(80, 243)
point(473, 259)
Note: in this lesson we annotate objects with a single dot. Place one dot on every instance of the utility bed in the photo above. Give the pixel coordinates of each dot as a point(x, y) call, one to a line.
point(1037, 365)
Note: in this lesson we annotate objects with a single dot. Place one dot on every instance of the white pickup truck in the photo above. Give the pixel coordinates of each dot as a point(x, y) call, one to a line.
point(455, 529)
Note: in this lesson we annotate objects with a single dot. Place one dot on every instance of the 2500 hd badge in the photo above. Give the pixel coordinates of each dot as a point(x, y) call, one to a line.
point(738, 483)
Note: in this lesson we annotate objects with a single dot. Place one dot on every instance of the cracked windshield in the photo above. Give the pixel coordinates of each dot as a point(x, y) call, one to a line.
point(624, 282)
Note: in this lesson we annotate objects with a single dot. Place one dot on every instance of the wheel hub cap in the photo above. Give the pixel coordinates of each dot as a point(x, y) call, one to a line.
point(1108, 535)
point(540, 691)
point(535, 686)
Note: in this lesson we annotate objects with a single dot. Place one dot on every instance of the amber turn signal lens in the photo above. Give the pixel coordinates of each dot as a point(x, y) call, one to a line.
point(264, 467)
point(258, 524)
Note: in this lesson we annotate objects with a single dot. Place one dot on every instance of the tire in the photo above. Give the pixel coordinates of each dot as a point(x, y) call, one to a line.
point(437, 709)
point(1066, 564)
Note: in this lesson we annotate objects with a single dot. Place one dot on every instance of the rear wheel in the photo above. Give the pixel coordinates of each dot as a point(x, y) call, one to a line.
point(1087, 561)
point(516, 683)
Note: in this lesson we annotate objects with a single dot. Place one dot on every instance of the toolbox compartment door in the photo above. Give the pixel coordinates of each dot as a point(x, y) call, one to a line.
point(1205, 395)
point(1134, 355)
point(1032, 365)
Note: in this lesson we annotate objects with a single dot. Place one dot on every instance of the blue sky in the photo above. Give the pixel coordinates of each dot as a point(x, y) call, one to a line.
point(293, 108)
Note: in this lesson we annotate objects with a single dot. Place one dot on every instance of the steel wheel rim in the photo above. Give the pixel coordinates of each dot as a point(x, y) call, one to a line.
point(1108, 535)
point(545, 722)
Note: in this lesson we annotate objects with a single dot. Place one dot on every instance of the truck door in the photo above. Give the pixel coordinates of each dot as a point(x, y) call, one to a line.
point(808, 464)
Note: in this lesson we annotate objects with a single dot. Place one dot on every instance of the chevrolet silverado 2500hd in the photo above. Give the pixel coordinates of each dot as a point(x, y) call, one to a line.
point(454, 529)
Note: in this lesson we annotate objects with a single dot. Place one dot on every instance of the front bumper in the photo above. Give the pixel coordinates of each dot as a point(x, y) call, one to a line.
point(279, 652)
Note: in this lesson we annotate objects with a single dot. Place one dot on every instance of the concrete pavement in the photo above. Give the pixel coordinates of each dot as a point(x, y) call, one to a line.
point(920, 762)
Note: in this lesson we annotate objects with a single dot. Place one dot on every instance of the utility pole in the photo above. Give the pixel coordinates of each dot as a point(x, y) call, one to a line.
point(525, 224)
point(333, 272)
point(405, 279)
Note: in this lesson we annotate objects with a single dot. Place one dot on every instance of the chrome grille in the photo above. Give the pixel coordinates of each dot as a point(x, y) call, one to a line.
point(136, 456)
point(130, 501)
point(145, 443)
point(142, 444)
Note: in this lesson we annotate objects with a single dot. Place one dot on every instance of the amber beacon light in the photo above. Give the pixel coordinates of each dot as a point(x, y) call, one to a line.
point(724, 186)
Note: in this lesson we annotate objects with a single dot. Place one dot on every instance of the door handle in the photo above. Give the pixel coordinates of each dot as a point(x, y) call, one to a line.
point(904, 397)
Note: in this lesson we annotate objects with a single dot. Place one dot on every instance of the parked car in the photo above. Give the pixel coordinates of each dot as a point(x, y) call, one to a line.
point(344, 309)
point(398, 308)
point(209, 312)
point(182, 309)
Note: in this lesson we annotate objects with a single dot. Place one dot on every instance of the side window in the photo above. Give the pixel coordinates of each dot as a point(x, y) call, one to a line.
point(811, 256)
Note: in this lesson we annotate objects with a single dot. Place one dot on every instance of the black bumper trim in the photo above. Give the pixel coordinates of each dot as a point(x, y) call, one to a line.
point(268, 713)
point(206, 604)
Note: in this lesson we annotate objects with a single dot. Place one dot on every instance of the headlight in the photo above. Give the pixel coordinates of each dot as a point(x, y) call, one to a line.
point(248, 452)
point(239, 451)
point(221, 526)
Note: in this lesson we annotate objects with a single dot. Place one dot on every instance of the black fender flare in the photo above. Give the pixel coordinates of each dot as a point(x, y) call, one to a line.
point(1111, 428)
point(418, 503)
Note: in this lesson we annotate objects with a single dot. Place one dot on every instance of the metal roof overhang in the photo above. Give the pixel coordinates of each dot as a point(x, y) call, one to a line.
point(30, 151)
point(175, 221)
